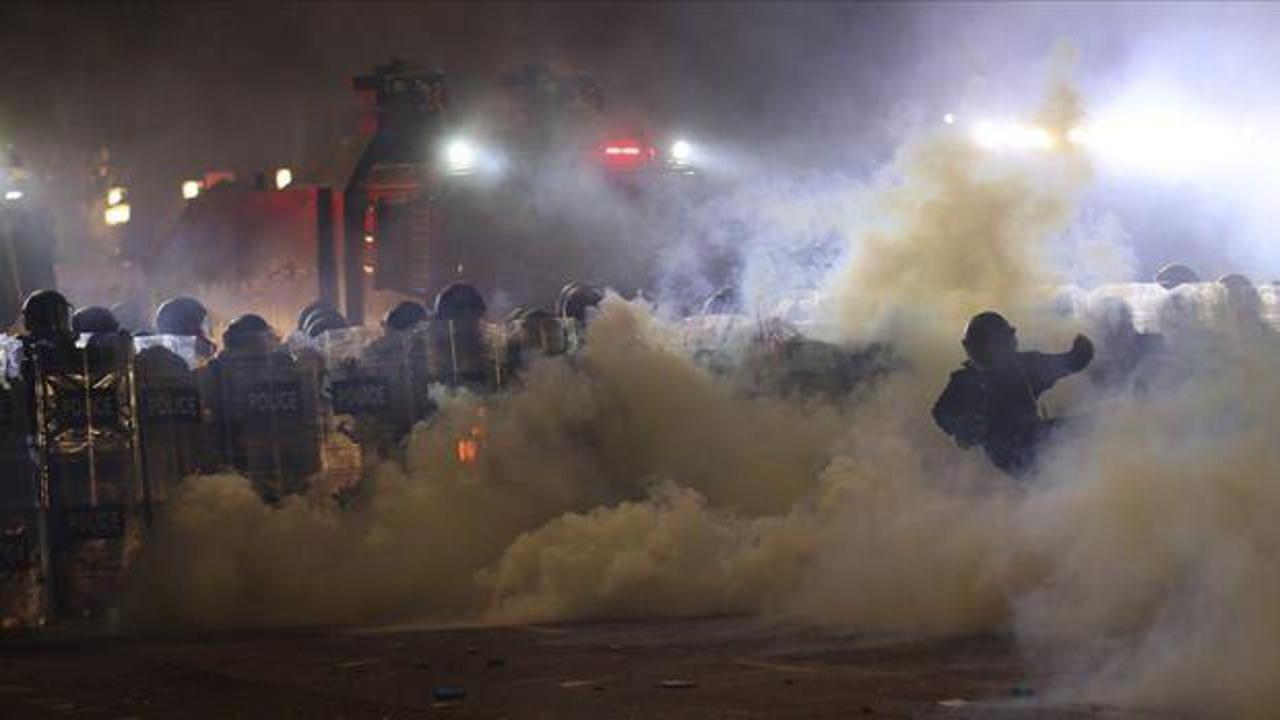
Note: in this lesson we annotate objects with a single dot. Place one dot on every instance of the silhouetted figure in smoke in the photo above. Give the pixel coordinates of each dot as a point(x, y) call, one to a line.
point(322, 321)
point(992, 400)
point(310, 309)
point(405, 316)
point(186, 317)
point(1174, 274)
point(94, 319)
point(1122, 350)
point(46, 317)
point(576, 300)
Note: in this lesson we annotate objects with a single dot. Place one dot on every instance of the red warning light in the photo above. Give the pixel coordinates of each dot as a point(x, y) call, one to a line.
point(626, 153)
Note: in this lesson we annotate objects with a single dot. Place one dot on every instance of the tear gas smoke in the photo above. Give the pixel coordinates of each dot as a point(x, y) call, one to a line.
point(1138, 565)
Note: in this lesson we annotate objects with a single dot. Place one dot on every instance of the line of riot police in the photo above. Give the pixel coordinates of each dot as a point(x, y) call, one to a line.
point(100, 427)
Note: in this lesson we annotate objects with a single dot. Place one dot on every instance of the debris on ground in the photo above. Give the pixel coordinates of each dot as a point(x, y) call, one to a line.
point(677, 684)
point(448, 694)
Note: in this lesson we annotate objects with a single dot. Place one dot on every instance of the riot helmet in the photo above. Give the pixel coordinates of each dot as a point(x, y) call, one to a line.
point(310, 309)
point(404, 316)
point(322, 321)
point(1236, 282)
point(576, 298)
point(183, 316)
point(460, 301)
point(46, 315)
point(1175, 274)
point(94, 319)
point(247, 332)
point(989, 340)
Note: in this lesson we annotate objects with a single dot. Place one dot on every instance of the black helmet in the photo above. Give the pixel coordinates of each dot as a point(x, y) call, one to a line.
point(404, 316)
point(94, 319)
point(576, 298)
point(182, 316)
point(1236, 282)
point(988, 337)
point(46, 314)
point(1175, 274)
point(460, 301)
point(311, 308)
point(725, 301)
point(241, 332)
point(322, 321)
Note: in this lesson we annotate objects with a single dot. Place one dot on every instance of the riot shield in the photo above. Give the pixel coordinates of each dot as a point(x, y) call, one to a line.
point(264, 416)
point(23, 540)
point(370, 402)
point(460, 354)
point(526, 336)
point(169, 411)
point(90, 469)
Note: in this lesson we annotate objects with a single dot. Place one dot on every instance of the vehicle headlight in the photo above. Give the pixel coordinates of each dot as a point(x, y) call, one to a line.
point(460, 156)
point(681, 151)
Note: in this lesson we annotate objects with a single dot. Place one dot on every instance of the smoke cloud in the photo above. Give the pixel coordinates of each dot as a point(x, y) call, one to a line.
point(1138, 566)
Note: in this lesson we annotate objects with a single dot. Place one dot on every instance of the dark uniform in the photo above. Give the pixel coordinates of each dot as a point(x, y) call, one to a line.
point(22, 586)
point(262, 410)
point(992, 401)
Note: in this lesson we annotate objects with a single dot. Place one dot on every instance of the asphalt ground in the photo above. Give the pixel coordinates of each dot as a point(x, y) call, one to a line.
point(701, 668)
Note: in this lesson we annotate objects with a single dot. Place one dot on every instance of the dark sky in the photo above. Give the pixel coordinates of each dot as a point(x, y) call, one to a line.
point(177, 89)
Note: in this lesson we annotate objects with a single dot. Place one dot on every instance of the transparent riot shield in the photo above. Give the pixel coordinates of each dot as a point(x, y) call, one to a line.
point(368, 404)
point(169, 411)
point(460, 354)
point(23, 538)
point(264, 417)
point(529, 335)
point(91, 480)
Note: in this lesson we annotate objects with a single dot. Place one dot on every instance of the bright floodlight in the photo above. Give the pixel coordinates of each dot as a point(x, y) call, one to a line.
point(13, 195)
point(190, 189)
point(681, 151)
point(117, 214)
point(115, 196)
point(1012, 136)
point(284, 176)
point(460, 156)
point(949, 119)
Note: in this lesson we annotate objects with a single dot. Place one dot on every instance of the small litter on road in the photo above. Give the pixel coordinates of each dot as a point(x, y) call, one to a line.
point(448, 694)
point(357, 664)
point(953, 703)
point(678, 684)
point(575, 684)
point(1022, 691)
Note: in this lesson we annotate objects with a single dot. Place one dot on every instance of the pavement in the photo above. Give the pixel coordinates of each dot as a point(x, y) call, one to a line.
point(697, 668)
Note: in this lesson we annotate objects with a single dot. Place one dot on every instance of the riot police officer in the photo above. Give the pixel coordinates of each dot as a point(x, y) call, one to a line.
point(992, 400)
point(263, 410)
point(186, 316)
point(405, 316)
point(86, 438)
point(574, 307)
point(94, 319)
point(532, 332)
point(459, 352)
